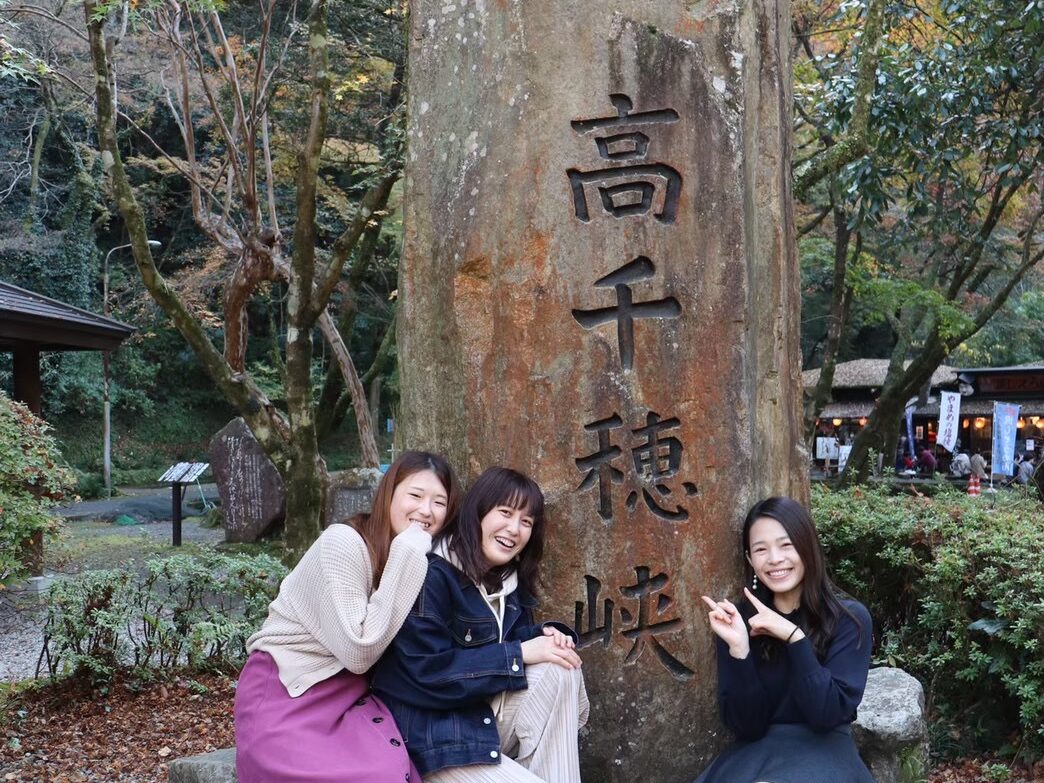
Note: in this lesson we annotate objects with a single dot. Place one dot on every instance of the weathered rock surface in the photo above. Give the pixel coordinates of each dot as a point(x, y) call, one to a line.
point(216, 767)
point(599, 287)
point(890, 729)
point(252, 493)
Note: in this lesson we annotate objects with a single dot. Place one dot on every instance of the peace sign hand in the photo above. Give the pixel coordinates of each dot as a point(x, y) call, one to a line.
point(768, 622)
point(727, 623)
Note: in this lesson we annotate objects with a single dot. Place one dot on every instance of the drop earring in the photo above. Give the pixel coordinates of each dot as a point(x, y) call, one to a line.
point(754, 584)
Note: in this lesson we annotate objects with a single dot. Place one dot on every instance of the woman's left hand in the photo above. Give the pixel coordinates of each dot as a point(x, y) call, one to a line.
point(768, 622)
point(561, 640)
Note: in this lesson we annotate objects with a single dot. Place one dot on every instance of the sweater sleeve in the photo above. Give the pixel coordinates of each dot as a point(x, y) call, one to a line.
point(355, 625)
point(745, 705)
point(430, 670)
point(828, 693)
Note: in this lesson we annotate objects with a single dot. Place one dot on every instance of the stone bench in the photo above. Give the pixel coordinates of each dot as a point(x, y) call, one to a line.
point(890, 732)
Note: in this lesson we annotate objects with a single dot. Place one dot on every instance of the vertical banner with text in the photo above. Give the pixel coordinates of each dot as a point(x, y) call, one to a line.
point(949, 420)
point(1005, 428)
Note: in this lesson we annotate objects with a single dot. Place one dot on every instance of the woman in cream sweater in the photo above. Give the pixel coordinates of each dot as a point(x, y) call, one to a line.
point(304, 711)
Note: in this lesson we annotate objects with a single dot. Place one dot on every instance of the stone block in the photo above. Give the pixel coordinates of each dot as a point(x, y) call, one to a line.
point(252, 493)
point(216, 767)
point(890, 729)
point(348, 492)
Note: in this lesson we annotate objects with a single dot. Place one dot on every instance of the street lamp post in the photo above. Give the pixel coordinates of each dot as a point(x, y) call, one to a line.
point(106, 408)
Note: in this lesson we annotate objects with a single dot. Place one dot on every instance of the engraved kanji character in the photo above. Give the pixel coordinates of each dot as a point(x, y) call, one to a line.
point(599, 465)
point(626, 309)
point(629, 189)
point(645, 634)
point(595, 633)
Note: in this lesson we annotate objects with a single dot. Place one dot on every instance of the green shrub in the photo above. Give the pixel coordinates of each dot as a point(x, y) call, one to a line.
point(89, 486)
point(197, 610)
point(31, 480)
point(956, 588)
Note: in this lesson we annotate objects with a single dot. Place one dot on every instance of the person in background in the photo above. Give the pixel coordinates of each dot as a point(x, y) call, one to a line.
point(960, 465)
point(1024, 471)
point(978, 465)
point(926, 463)
point(304, 712)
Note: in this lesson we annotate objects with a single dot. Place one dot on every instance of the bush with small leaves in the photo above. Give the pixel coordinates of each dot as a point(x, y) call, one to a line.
point(956, 588)
point(196, 610)
point(32, 479)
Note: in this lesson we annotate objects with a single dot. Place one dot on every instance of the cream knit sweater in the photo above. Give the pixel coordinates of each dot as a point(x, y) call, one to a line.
point(327, 617)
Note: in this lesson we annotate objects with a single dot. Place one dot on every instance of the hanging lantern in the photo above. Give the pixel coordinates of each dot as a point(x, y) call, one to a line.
point(980, 423)
point(862, 421)
point(837, 422)
point(965, 424)
point(1022, 422)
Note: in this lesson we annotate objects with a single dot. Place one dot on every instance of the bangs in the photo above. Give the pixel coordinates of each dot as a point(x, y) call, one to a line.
point(514, 490)
point(525, 499)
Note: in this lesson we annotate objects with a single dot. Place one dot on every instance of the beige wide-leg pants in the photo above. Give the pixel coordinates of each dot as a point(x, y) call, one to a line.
point(538, 732)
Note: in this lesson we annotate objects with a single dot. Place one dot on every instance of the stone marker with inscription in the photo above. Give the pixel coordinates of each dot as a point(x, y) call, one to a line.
point(348, 492)
point(599, 287)
point(253, 497)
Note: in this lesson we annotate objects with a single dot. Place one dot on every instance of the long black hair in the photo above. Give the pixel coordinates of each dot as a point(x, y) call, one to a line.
point(820, 606)
point(498, 487)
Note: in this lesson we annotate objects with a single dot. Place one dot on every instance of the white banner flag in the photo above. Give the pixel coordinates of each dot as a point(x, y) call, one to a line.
point(949, 420)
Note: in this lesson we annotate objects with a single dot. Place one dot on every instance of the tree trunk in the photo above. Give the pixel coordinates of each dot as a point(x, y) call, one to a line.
point(327, 418)
point(841, 299)
point(305, 478)
point(890, 406)
point(367, 442)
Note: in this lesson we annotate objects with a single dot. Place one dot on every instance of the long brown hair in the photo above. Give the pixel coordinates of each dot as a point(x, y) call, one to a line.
point(498, 487)
point(820, 606)
point(375, 527)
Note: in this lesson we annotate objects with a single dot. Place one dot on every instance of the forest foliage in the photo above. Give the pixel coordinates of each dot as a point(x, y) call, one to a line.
point(902, 248)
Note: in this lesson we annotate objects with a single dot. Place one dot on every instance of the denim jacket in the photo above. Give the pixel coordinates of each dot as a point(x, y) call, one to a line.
point(446, 665)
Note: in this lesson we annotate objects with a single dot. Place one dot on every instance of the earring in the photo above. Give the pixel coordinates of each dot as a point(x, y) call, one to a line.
point(754, 585)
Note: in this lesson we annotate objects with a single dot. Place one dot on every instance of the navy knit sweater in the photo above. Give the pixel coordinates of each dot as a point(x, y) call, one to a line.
point(794, 686)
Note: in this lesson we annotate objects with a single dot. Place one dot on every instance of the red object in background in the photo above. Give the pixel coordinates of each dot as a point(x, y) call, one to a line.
point(931, 436)
point(973, 485)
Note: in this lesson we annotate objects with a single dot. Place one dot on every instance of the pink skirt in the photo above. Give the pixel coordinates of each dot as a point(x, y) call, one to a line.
point(335, 732)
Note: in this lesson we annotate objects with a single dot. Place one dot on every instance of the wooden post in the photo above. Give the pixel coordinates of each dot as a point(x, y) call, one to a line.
point(175, 491)
point(27, 385)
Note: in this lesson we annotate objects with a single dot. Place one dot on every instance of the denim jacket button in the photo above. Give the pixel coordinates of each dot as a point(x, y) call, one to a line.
point(487, 721)
point(514, 667)
point(493, 754)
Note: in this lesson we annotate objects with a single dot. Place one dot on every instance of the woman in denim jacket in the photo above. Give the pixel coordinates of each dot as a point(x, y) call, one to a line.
point(479, 691)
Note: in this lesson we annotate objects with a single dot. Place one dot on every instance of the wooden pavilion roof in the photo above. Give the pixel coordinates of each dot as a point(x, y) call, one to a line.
point(30, 319)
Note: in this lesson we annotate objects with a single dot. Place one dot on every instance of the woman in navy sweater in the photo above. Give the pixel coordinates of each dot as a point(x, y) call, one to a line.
point(792, 659)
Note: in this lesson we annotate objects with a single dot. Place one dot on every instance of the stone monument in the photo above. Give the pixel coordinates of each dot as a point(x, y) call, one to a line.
point(599, 287)
point(253, 497)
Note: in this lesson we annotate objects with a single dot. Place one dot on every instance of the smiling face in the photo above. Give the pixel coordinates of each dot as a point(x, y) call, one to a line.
point(505, 533)
point(776, 562)
point(420, 497)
